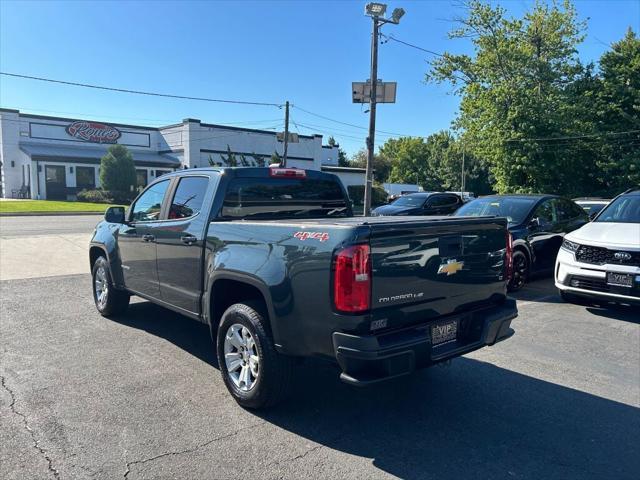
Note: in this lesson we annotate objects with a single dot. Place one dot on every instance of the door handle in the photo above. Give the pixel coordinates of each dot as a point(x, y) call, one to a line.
point(148, 238)
point(188, 239)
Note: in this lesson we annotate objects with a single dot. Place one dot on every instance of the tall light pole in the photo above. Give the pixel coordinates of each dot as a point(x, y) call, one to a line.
point(376, 11)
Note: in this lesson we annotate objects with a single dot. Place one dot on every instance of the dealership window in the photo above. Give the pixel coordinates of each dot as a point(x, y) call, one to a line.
point(141, 178)
point(86, 177)
point(159, 173)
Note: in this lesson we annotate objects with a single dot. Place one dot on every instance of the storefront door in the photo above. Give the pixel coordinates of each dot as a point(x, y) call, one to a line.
point(56, 184)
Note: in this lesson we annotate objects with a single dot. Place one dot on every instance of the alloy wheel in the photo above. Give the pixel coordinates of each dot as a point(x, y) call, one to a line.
point(241, 357)
point(519, 272)
point(101, 286)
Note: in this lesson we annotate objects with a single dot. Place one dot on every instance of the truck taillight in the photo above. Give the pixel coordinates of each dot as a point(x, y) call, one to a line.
point(352, 279)
point(287, 172)
point(508, 257)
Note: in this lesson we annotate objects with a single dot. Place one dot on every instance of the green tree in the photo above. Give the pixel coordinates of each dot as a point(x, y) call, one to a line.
point(515, 91)
point(117, 170)
point(381, 164)
point(409, 160)
point(617, 116)
point(230, 160)
point(343, 161)
point(275, 158)
point(258, 160)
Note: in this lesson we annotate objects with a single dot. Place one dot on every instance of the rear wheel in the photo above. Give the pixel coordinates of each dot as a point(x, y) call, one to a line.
point(255, 374)
point(520, 271)
point(109, 301)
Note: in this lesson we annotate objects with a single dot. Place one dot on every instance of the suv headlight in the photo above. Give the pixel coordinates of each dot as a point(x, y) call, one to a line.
point(570, 246)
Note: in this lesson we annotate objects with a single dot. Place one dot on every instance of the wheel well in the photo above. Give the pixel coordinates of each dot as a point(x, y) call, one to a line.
point(94, 253)
point(227, 292)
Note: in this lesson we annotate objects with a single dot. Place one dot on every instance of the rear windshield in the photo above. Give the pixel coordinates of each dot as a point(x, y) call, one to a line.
point(625, 209)
point(410, 201)
point(592, 207)
point(514, 208)
point(269, 198)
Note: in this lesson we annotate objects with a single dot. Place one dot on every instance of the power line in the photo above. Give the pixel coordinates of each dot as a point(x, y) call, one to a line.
point(347, 124)
point(431, 52)
point(139, 92)
point(571, 137)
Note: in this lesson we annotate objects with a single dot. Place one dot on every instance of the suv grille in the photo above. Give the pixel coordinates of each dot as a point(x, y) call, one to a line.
point(600, 256)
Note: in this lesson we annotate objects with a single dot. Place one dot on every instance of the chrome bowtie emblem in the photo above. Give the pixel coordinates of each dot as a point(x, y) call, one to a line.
point(622, 256)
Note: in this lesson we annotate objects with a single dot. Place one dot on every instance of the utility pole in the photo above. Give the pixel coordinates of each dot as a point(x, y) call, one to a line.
point(376, 11)
point(462, 181)
point(372, 118)
point(286, 133)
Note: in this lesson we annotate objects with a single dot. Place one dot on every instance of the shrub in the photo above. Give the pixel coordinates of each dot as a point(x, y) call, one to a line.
point(117, 170)
point(106, 196)
point(378, 195)
point(93, 196)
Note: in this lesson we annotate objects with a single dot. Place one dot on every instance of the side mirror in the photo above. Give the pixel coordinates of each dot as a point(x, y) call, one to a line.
point(534, 223)
point(114, 215)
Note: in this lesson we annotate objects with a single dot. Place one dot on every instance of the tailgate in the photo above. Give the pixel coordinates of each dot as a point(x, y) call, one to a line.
point(426, 269)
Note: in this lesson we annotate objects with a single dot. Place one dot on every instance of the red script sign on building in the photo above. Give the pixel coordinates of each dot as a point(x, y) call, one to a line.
point(93, 132)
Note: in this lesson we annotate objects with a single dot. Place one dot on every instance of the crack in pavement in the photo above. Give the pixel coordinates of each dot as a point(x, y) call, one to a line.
point(36, 443)
point(188, 450)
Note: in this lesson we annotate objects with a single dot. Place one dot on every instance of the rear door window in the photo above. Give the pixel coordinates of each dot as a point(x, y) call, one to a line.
point(189, 197)
point(283, 198)
point(545, 213)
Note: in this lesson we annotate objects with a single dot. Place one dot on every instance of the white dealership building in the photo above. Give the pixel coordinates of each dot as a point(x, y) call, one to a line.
point(46, 157)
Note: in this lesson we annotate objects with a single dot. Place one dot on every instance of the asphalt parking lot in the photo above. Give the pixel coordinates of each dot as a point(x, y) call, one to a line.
point(140, 396)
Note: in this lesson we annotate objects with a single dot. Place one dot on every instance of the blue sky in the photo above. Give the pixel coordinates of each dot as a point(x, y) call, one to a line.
point(304, 51)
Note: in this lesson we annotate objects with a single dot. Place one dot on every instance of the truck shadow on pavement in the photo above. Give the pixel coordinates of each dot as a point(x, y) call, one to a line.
point(469, 420)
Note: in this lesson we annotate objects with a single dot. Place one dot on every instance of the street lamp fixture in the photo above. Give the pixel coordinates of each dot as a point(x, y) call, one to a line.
point(375, 9)
point(396, 15)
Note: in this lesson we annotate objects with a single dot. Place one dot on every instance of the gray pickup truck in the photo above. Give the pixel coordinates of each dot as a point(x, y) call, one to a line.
point(273, 260)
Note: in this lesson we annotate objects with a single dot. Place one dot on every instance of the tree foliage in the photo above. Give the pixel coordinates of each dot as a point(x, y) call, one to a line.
point(435, 163)
point(539, 119)
point(381, 164)
point(238, 160)
point(117, 170)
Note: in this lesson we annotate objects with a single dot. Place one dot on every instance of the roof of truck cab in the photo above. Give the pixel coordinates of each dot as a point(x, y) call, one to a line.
point(241, 170)
point(356, 221)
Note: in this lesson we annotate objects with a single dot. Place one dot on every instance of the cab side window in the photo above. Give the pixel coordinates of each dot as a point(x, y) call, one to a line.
point(147, 207)
point(188, 198)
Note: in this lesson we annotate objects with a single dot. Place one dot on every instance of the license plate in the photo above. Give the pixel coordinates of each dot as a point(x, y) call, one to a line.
point(620, 279)
point(444, 332)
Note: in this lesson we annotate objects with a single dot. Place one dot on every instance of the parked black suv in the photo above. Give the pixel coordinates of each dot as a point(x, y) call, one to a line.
point(537, 224)
point(424, 203)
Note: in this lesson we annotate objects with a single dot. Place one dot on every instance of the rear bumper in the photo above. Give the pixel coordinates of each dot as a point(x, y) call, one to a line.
point(373, 358)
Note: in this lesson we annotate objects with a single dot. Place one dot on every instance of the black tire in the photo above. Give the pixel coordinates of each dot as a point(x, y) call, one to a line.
point(273, 381)
point(520, 273)
point(116, 301)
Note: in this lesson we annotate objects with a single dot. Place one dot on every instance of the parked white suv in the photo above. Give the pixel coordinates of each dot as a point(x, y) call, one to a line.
point(601, 260)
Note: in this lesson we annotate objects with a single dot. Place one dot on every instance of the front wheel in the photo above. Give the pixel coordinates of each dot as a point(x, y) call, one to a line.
point(520, 271)
point(255, 374)
point(109, 301)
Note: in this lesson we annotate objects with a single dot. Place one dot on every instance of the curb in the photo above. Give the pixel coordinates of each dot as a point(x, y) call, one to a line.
point(47, 214)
